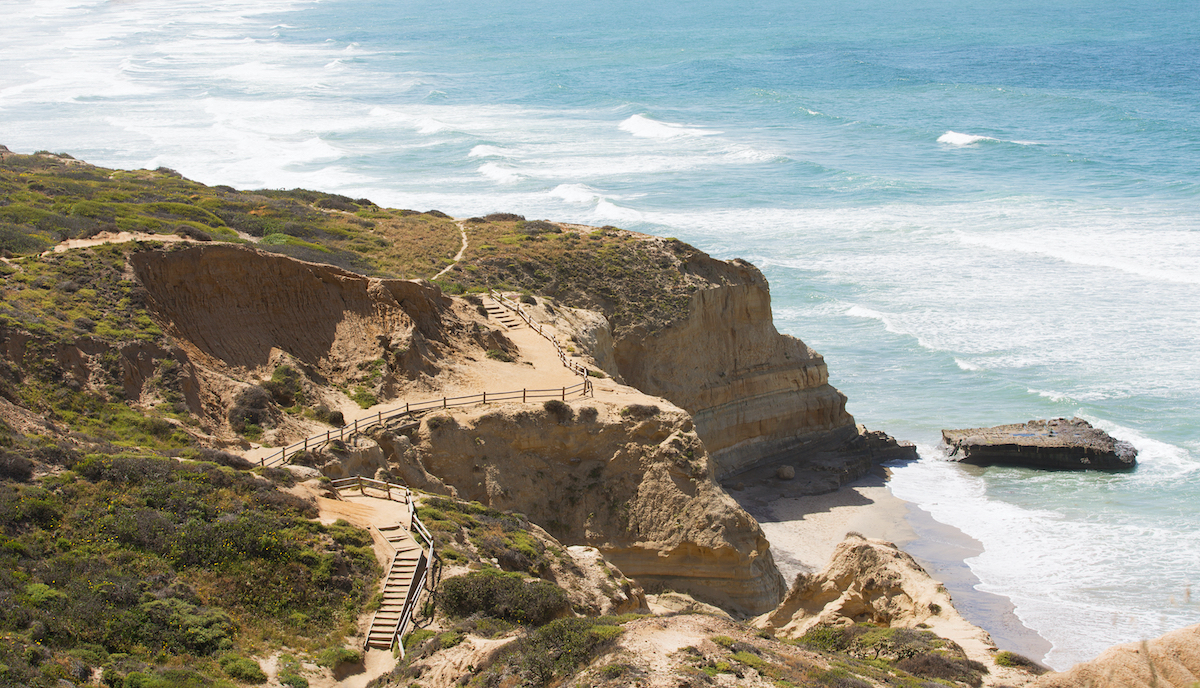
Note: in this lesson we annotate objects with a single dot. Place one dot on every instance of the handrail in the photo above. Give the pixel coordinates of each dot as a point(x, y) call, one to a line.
point(409, 605)
point(536, 327)
point(583, 388)
point(360, 482)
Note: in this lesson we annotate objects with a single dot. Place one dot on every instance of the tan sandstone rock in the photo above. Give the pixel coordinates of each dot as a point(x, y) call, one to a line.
point(639, 489)
point(1170, 661)
point(753, 392)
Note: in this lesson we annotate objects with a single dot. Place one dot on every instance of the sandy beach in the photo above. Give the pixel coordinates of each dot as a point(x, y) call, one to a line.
point(805, 529)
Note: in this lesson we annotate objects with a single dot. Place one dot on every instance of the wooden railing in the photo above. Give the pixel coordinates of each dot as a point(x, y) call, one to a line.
point(363, 483)
point(582, 389)
point(517, 308)
point(429, 557)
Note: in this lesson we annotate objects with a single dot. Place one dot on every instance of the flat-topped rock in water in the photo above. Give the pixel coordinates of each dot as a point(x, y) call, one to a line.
point(1059, 443)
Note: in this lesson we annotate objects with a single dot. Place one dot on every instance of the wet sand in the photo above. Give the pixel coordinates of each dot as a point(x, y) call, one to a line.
point(805, 529)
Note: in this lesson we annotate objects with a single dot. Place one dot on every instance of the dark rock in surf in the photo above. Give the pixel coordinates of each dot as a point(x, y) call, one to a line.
point(1056, 444)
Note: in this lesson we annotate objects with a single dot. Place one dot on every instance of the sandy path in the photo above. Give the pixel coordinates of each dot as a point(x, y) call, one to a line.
point(460, 253)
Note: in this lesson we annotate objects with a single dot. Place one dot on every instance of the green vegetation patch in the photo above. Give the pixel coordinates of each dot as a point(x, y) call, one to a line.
point(81, 293)
point(552, 652)
point(45, 199)
point(140, 566)
point(490, 534)
point(636, 281)
point(507, 596)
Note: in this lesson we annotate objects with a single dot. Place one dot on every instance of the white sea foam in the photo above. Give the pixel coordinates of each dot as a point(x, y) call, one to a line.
point(611, 211)
point(644, 127)
point(1047, 560)
point(967, 365)
point(485, 151)
point(576, 193)
point(954, 138)
point(499, 173)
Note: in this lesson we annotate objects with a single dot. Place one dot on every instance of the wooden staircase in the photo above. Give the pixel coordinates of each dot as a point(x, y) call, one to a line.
point(504, 316)
point(405, 580)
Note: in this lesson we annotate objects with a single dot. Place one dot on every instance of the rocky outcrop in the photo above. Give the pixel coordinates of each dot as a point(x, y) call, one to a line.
point(752, 392)
point(867, 581)
point(1060, 443)
point(1170, 661)
point(637, 485)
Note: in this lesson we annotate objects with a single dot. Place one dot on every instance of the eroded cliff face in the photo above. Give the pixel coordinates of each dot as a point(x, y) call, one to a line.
point(235, 305)
point(753, 393)
point(636, 485)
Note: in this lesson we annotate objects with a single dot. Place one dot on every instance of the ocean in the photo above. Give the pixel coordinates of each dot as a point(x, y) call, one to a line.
point(979, 212)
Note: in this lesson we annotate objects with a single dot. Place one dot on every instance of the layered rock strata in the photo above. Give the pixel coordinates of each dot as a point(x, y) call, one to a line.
point(753, 392)
point(1060, 443)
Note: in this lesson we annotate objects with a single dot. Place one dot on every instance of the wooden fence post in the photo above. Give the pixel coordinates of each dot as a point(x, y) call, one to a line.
point(564, 394)
point(522, 396)
point(485, 397)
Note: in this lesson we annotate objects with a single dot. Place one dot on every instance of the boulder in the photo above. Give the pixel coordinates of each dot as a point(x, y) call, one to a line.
point(1058, 444)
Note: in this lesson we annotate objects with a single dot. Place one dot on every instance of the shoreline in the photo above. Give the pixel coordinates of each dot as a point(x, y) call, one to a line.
point(805, 529)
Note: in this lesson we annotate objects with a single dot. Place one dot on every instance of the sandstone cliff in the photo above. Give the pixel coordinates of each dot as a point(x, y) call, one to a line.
point(635, 482)
point(753, 392)
point(1170, 661)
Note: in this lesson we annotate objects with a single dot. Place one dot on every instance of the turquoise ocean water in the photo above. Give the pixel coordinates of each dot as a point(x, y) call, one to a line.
point(979, 213)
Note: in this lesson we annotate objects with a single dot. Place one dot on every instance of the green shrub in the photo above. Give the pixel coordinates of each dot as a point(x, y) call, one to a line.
point(364, 397)
point(290, 672)
point(639, 411)
point(939, 666)
point(827, 638)
point(417, 637)
point(1013, 660)
point(334, 657)
point(506, 596)
point(561, 646)
point(284, 386)
point(498, 355)
point(561, 410)
point(243, 669)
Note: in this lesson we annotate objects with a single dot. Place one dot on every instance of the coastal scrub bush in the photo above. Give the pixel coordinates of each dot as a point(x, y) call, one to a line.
point(222, 458)
point(364, 397)
point(553, 651)
point(561, 410)
point(939, 666)
point(639, 411)
point(284, 386)
point(498, 355)
point(334, 657)
point(1013, 660)
point(251, 407)
point(15, 467)
point(291, 673)
point(243, 669)
point(506, 596)
point(504, 217)
point(827, 638)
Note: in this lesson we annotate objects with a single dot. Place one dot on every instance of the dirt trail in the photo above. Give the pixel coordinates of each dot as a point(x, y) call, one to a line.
point(461, 251)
